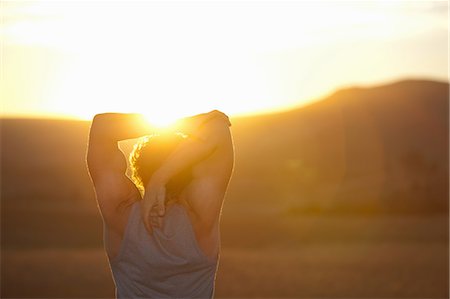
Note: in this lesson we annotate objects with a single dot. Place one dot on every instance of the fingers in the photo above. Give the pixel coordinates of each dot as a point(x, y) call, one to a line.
point(161, 198)
point(151, 219)
point(148, 210)
point(155, 217)
point(154, 205)
point(154, 223)
point(217, 113)
point(154, 220)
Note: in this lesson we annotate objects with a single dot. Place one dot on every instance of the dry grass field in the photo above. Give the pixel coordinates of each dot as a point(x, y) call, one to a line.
point(308, 257)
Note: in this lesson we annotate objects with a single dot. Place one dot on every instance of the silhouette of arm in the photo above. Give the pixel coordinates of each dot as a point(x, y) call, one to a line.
point(196, 147)
point(107, 164)
point(119, 126)
point(199, 145)
point(108, 129)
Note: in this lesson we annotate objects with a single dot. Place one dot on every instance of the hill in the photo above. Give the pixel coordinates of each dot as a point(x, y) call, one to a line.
point(383, 148)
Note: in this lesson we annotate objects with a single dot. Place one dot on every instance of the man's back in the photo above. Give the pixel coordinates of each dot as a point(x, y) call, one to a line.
point(167, 264)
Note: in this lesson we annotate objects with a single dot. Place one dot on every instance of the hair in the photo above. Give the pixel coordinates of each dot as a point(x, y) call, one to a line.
point(149, 155)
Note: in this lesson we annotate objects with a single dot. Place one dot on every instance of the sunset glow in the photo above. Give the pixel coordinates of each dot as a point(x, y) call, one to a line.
point(172, 59)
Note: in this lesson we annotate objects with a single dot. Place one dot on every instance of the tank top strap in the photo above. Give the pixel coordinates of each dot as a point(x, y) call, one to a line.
point(191, 232)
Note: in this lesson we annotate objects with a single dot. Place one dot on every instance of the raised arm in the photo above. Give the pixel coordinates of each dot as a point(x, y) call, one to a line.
point(210, 143)
point(109, 128)
point(119, 126)
point(107, 164)
point(196, 147)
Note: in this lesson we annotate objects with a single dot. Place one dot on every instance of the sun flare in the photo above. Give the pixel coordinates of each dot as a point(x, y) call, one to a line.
point(168, 61)
point(160, 121)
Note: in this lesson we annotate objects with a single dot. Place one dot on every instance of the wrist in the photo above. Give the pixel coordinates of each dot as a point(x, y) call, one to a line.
point(192, 123)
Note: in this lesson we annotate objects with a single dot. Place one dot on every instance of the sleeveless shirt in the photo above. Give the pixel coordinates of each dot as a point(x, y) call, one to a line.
point(167, 264)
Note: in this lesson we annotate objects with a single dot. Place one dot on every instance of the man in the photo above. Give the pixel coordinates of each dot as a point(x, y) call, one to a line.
point(166, 243)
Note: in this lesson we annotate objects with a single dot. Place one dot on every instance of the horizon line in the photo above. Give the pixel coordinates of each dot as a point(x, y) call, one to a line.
point(54, 116)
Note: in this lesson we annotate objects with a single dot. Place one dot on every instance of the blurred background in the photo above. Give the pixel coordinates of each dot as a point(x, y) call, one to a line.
point(340, 123)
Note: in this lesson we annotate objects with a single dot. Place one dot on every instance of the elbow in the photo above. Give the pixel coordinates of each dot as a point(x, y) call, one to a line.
point(98, 125)
point(217, 131)
point(220, 129)
point(103, 120)
point(219, 125)
point(99, 118)
point(97, 122)
point(212, 134)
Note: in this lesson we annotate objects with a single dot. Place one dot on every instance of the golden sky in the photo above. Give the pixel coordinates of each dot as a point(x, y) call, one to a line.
point(169, 59)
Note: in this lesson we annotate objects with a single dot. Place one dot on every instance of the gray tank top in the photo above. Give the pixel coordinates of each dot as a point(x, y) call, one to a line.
point(167, 264)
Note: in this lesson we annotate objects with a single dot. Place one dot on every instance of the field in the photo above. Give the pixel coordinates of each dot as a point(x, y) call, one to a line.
point(344, 198)
point(309, 257)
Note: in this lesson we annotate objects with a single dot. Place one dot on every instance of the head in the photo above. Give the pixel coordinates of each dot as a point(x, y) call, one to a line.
point(148, 156)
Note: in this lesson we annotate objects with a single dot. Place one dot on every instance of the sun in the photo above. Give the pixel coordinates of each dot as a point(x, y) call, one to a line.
point(161, 120)
point(156, 69)
point(165, 113)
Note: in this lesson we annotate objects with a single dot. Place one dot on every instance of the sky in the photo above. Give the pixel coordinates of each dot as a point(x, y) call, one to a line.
point(167, 59)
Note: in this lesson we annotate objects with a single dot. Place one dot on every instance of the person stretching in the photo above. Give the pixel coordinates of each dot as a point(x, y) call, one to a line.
point(161, 227)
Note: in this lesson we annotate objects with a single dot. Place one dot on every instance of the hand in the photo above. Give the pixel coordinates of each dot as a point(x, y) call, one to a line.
point(153, 206)
point(216, 113)
point(192, 123)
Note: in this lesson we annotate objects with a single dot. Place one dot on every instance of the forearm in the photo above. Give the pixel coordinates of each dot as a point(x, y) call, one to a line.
point(191, 124)
point(187, 153)
point(197, 146)
point(120, 126)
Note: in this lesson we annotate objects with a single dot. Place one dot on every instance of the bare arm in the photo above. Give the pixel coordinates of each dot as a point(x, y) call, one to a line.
point(196, 147)
point(103, 154)
point(200, 144)
point(107, 164)
point(109, 128)
point(120, 126)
